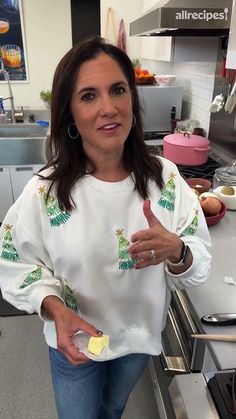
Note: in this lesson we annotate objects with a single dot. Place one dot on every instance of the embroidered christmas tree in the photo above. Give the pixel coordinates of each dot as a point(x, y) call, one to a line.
point(125, 260)
point(69, 297)
point(54, 212)
point(33, 276)
point(192, 228)
point(167, 199)
point(9, 251)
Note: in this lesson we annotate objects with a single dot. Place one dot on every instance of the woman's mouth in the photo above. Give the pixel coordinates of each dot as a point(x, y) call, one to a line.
point(109, 127)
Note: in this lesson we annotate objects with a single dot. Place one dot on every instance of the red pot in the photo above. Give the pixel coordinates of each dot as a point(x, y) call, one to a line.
point(186, 149)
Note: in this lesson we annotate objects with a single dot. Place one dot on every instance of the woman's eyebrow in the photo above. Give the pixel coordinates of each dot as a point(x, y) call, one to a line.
point(86, 89)
point(92, 88)
point(118, 83)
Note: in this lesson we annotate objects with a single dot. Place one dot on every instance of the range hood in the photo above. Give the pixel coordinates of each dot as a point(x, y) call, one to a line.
point(184, 18)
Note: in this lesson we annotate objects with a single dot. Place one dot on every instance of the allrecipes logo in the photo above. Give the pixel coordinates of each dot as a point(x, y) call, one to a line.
point(204, 15)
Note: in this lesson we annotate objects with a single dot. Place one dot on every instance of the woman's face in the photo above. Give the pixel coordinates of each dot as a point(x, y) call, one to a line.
point(101, 106)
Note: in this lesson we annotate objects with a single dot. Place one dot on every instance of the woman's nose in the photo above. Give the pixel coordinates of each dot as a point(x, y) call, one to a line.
point(107, 106)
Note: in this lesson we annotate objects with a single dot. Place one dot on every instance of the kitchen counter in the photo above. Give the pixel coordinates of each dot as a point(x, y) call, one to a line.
point(215, 296)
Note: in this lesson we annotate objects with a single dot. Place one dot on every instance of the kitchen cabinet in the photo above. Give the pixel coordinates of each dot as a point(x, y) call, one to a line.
point(231, 53)
point(154, 48)
point(180, 49)
point(5, 191)
point(12, 182)
point(20, 175)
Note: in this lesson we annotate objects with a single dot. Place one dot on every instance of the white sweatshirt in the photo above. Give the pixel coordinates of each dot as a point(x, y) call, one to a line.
point(82, 257)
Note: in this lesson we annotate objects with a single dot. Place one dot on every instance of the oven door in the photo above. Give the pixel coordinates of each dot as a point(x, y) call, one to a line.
point(191, 398)
point(180, 353)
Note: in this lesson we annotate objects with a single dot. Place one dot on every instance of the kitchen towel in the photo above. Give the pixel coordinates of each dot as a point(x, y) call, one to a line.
point(122, 37)
point(110, 31)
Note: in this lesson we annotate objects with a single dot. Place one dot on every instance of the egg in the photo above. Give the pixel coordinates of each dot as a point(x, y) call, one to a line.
point(229, 200)
point(227, 190)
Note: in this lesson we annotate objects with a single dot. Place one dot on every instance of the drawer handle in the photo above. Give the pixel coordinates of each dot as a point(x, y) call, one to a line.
point(173, 365)
point(24, 169)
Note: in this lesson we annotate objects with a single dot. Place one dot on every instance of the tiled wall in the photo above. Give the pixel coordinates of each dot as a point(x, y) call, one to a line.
point(197, 80)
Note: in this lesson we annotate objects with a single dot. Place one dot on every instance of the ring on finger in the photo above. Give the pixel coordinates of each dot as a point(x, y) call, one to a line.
point(152, 254)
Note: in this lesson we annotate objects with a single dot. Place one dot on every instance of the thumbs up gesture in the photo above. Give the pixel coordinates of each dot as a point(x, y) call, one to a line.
point(155, 244)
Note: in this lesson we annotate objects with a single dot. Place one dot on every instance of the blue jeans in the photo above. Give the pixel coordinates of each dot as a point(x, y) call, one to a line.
point(96, 390)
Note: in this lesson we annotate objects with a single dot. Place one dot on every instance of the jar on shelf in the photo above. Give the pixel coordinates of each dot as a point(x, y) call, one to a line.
point(224, 185)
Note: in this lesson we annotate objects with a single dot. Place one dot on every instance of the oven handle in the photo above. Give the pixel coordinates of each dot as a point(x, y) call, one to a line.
point(173, 365)
point(198, 345)
point(181, 365)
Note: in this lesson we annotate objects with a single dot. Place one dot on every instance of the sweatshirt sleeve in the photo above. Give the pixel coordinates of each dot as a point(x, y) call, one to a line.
point(26, 271)
point(190, 225)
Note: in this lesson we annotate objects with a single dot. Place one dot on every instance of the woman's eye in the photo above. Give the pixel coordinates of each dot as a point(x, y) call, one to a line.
point(87, 97)
point(119, 90)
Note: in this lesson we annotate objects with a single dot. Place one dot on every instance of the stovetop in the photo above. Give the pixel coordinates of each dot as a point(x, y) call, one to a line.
point(205, 171)
point(221, 386)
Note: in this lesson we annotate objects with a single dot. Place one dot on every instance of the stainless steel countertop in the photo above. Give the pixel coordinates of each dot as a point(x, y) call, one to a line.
point(215, 296)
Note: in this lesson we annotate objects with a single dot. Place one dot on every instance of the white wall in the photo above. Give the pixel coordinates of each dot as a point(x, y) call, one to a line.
point(128, 10)
point(48, 36)
point(197, 80)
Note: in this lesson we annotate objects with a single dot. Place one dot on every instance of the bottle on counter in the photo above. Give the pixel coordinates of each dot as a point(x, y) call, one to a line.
point(173, 119)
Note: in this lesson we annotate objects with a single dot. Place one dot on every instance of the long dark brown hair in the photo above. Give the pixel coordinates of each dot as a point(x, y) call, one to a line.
point(68, 161)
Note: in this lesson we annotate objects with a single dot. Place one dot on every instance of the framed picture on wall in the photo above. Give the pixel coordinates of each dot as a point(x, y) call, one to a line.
point(12, 41)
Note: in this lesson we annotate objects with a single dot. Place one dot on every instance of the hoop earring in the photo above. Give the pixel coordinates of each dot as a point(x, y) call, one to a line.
point(70, 126)
point(134, 121)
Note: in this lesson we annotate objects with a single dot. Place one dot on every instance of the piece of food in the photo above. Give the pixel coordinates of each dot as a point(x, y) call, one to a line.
point(227, 190)
point(210, 205)
point(207, 194)
point(97, 344)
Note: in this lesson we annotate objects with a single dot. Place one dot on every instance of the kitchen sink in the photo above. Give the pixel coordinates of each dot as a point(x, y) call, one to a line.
point(22, 131)
point(22, 144)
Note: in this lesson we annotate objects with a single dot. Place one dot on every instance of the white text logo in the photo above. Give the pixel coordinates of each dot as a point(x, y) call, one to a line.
point(204, 15)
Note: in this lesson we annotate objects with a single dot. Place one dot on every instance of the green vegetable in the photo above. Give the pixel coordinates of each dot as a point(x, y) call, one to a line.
point(136, 62)
point(46, 96)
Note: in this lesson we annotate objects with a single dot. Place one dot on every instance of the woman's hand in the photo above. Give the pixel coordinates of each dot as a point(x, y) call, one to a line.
point(155, 244)
point(67, 324)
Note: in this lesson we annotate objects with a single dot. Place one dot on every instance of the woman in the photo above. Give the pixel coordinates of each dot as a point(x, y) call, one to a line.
point(95, 238)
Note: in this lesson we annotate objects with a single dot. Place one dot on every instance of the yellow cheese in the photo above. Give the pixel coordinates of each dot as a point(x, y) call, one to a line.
point(97, 344)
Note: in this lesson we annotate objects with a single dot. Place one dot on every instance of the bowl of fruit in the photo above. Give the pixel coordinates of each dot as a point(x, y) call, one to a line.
point(213, 208)
point(143, 76)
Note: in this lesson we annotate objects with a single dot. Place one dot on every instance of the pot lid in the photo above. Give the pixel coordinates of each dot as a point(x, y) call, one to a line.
point(186, 139)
